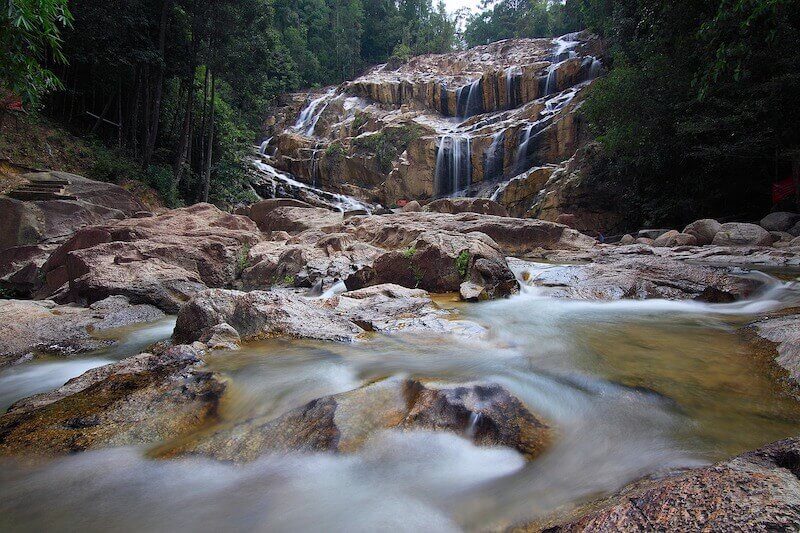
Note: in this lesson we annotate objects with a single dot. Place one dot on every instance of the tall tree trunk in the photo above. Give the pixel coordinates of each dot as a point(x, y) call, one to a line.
point(152, 131)
point(185, 138)
point(210, 143)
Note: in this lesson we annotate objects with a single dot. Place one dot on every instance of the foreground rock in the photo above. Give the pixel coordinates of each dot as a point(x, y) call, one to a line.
point(161, 260)
point(143, 399)
point(757, 491)
point(343, 318)
point(45, 328)
point(486, 414)
point(640, 277)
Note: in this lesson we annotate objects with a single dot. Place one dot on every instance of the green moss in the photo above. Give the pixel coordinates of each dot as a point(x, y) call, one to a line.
point(389, 143)
point(462, 263)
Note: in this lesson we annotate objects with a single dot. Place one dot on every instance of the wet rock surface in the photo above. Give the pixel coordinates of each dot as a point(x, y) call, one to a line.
point(757, 491)
point(45, 328)
point(342, 318)
point(484, 413)
point(639, 277)
point(143, 399)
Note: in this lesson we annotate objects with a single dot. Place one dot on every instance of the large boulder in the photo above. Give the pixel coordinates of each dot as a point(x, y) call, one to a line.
point(742, 234)
point(779, 221)
point(144, 399)
point(345, 318)
point(484, 413)
point(756, 491)
point(672, 238)
point(161, 260)
point(45, 328)
point(703, 230)
point(441, 261)
point(466, 205)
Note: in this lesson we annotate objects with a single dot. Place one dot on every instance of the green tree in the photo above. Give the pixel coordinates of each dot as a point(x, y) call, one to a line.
point(30, 32)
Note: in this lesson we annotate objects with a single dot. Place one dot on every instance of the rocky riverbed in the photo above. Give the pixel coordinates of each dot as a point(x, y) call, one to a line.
point(443, 368)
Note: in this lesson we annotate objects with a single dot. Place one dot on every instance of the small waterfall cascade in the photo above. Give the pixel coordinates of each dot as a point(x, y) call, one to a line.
point(314, 166)
point(262, 149)
point(453, 165)
point(286, 186)
point(563, 51)
point(309, 116)
point(513, 75)
point(494, 157)
point(469, 100)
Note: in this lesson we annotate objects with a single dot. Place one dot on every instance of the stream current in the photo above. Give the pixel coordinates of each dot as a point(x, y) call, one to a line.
point(630, 387)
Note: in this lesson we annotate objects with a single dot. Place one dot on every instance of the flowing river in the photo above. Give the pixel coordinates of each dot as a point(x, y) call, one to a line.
point(631, 388)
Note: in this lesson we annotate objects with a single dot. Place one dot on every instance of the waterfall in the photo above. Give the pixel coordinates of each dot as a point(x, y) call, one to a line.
point(563, 51)
point(314, 166)
point(493, 157)
point(309, 116)
point(512, 86)
point(528, 143)
point(453, 165)
point(469, 100)
point(262, 150)
point(291, 188)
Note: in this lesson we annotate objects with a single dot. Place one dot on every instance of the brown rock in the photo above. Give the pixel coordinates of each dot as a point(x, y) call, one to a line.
point(487, 414)
point(742, 234)
point(703, 230)
point(143, 399)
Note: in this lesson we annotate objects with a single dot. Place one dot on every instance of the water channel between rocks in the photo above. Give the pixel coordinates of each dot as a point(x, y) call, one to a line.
point(631, 387)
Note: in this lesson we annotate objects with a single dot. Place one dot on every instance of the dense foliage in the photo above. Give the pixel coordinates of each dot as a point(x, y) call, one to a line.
point(506, 19)
point(698, 116)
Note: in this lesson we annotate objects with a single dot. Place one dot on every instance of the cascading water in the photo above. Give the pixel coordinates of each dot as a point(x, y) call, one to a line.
point(494, 157)
point(453, 165)
point(309, 116)
point(563, 51)
point(296, 189)
point(469, 100)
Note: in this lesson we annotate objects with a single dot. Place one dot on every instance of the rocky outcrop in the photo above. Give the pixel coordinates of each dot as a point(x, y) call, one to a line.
point(484, 413)
point(45, 328)
point(483, 206)
point(160, 260)
point(144, 399)
point(639, 277)
point(757, 491)
point(441, 262)
point(343, 318)
point(32, 226)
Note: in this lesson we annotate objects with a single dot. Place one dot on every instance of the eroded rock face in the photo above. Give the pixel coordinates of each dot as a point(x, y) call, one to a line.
point(143, 399)
point(43, 327)
point(343, 318)
point(160, 260)
point(757, 491)
point(484, 413)
point(30, 229)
